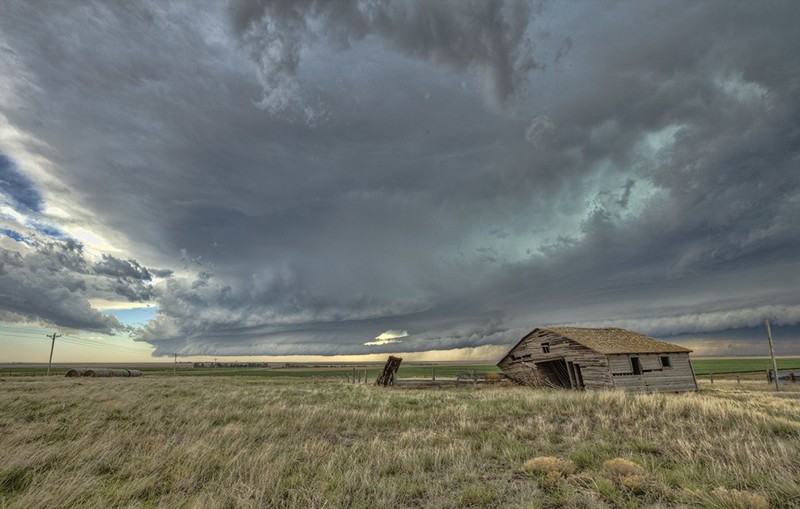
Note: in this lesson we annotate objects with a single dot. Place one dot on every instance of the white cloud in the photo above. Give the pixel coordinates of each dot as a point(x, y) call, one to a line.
point(387, 338)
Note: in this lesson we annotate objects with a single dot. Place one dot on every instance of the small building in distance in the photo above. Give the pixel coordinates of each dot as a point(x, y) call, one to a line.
point(610, 358)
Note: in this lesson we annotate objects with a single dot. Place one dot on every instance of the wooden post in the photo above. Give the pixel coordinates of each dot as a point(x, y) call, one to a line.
point(387, 376)
point(772, 354)
point(52, 345)
point(434, 373)
point(365, 377)
point(354, 375)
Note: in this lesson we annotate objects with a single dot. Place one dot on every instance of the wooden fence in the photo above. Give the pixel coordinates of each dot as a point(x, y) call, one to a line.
point(783, 376)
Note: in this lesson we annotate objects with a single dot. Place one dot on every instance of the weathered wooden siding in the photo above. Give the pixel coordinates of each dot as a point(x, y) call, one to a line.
point(520, 362)
point(678, 377)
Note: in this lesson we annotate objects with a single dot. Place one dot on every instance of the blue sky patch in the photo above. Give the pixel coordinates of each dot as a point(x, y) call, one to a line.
point(18, 187)
point(50, 231)
point(13, 235)
point(133, 316)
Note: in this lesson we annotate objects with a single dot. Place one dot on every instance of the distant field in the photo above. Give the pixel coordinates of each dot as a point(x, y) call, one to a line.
point(410, 370)
point(407, 370)
point(239, 442)
point(743, 365)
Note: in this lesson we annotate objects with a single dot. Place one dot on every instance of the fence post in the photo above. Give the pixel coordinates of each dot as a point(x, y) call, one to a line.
point(434, 373)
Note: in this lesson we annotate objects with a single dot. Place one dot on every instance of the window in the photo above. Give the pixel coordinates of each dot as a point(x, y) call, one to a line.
point(636, 366)
point(546, 347)
point(665, 362)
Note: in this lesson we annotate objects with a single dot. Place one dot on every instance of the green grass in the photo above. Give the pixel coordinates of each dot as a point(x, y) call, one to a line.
point(164, 441)
point(743, 365)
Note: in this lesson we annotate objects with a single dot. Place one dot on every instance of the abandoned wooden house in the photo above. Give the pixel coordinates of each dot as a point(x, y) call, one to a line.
point(577, 358)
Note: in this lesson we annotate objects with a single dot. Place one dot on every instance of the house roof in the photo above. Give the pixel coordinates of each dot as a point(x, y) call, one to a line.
point(613, 340)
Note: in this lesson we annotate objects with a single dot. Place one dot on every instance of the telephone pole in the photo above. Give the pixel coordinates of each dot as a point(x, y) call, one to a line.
point(52, 345)
point(772, 354)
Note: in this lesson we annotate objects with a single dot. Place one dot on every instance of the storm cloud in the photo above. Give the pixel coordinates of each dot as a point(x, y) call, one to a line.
point(52, 282)
point(489, 38)
point(312, 176)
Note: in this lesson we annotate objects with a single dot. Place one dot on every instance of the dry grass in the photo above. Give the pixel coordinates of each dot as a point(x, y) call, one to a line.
point(235, 442)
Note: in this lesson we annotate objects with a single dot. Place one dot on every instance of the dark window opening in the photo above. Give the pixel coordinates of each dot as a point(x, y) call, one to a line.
point(636, 365)
point(665, 362)
point(546, 347)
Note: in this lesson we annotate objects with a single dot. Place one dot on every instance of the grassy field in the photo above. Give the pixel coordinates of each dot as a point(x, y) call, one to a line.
point(160, 441)
point(407, 370)
point(742, 365)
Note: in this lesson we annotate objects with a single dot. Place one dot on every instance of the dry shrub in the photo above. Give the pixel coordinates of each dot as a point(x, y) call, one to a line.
point(551, 467)
point(634, 482)
point(729, 499)
point(621, 468)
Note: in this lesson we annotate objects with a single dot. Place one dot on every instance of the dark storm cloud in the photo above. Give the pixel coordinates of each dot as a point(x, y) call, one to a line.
point(318, 173)
point(128, 269)
point(49, 285)
point(486, 36)
point(52, 281)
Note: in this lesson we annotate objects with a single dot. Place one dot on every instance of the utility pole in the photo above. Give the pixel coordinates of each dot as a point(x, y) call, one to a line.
point(52, 345)
point(772, 354)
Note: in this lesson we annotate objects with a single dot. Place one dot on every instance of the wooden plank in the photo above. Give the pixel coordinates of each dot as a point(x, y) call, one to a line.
point(389, 373)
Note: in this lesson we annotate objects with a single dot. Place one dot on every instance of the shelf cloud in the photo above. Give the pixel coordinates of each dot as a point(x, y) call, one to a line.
point(307, 177)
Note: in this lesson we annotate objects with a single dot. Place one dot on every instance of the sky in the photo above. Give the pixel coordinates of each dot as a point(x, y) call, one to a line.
point(307, 178)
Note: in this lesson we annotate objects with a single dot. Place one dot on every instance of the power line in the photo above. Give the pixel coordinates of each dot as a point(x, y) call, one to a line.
point(90, 342)
point(20, 333)
point(108, 348)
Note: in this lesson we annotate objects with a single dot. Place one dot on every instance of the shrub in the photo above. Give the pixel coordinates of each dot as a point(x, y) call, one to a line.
point(620, 468)
point(549, 466)
point(723, 498)
point(633, 482)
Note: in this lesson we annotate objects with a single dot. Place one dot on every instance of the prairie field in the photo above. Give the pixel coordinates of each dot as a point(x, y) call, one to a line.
point(231, 442)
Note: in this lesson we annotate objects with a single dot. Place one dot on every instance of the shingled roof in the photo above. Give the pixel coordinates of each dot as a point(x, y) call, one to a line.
point(614, 340)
